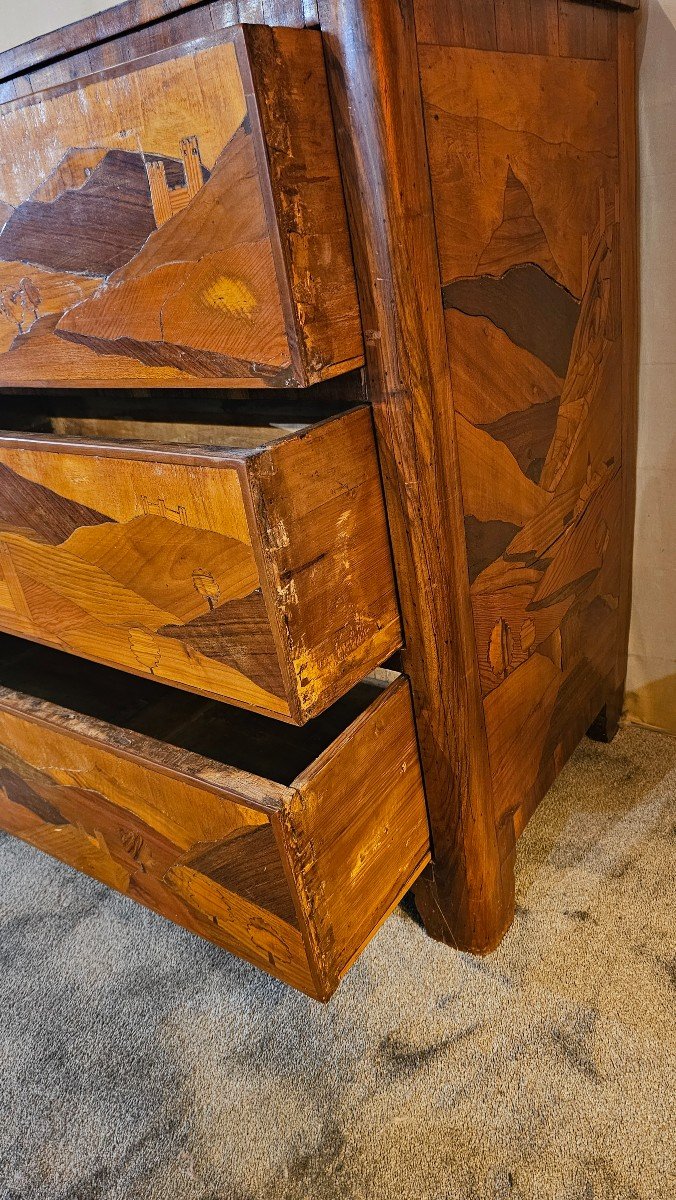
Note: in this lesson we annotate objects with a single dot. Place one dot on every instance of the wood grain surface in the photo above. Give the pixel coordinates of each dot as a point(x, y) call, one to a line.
point(199, 241)
point(258, 576)
point(570, 28)
point(373, 71)
point(500, 324)
point(292, 877)
point(176, 20)
point(606, 725)
point(527, 168)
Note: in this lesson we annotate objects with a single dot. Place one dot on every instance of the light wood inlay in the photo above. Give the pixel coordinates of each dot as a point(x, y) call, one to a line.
point(190, 242)
point(258, 576)
point(294, 873)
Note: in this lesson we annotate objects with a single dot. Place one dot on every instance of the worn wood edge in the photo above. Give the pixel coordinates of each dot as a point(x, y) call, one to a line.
point(281, 828)
point(255, 104)
point(353, 677)
point(258, 518)
point(343, 680)
point(629, 251)
point(375, 90)
point(264, 44)
point(126, 18)
point(329, 973)
point(334, 370)
point(240, 787)
point(259, 40)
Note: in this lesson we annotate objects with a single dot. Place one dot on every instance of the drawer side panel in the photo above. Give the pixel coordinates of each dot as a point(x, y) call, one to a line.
point(359, 825)
point(319, 504)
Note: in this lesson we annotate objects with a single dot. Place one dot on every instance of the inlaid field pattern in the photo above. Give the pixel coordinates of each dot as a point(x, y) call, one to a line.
point(526, 200)
point(155, 574)
point(178, 219)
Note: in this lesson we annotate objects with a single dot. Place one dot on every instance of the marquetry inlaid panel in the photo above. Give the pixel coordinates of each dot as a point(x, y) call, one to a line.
point(261, 576)
point(524, 160)
point(178, 220)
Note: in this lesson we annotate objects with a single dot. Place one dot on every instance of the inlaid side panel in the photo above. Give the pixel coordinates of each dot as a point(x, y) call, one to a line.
point(144, 564)
point(524, 160)
point(569, 28)
point(325, 546)
point(191, 853)
point(157, 225)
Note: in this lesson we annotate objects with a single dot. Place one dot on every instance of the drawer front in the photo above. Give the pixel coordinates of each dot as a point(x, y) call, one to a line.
point(263, 578)
point(293, 879)
point(178, 220)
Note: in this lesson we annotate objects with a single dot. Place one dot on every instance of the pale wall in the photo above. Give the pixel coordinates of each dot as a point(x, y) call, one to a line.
point(652, 663)
point(21, 20)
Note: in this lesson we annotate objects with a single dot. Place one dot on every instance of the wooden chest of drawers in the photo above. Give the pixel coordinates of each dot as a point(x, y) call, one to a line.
point(440, 192)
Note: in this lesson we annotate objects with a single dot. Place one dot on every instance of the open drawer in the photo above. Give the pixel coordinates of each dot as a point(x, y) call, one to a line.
point(257, 570)
point(178, 220)
point(286, 846)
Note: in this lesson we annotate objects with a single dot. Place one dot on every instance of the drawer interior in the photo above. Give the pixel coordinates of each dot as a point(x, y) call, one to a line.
point(236, 419)
point(224, 734)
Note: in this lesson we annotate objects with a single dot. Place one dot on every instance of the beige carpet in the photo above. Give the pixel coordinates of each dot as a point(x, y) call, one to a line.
point(137, 1062)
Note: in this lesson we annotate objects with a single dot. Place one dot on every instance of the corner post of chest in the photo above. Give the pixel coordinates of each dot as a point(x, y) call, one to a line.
point(466, 898)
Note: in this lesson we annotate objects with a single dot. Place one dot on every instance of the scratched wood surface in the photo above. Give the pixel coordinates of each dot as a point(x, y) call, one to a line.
point(293, 876)
point(258, 576)
point(99, 39)
point(195, 242)
point(525, 167)
point(569, 28)
point(511, 479)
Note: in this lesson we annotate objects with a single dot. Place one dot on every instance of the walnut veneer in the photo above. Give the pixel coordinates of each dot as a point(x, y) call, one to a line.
point(429, 206)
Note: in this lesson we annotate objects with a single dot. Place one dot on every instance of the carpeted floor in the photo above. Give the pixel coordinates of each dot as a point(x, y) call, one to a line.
point(137, 1062)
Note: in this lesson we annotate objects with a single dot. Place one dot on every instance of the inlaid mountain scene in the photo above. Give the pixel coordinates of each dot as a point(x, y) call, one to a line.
point(137, 239)
point(533, 313)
